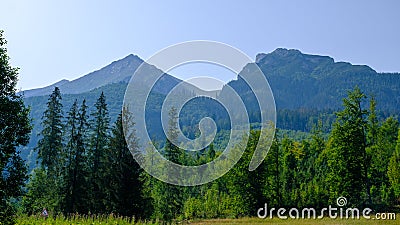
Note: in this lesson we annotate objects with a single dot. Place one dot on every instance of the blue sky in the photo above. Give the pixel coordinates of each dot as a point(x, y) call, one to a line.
point(51, 40)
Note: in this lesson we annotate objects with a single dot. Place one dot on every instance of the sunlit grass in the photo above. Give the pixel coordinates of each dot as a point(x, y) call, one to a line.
point(325, 221)
point(112, 219)
point(80, 219)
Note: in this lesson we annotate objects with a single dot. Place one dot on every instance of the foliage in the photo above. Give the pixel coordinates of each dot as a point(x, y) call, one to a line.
point(47, 176)
point(86, 170)
point(299, 171)
point(394, 170)
point(14, 131)
point(99, 143)
point(124, 185)
point(76, 168)
point(346, 148)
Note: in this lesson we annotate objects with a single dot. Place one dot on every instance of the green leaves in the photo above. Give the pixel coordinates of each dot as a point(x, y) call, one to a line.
point(347, 173)
point(14, 131)
point(394, 170)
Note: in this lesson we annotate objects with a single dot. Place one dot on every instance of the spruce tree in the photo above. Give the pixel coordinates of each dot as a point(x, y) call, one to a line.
point(98, 147)
point(50, 145)
point(75, 169)
point(46, 181)
point(81, 167)
point(124, 185)
point(70, 151)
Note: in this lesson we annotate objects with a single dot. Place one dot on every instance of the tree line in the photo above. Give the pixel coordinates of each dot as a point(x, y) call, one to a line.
point(84, 166)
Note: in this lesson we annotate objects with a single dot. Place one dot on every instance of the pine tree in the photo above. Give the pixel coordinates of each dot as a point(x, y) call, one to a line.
point(14, 131)
point(75, 165)
point(124, 182)
point(70, 152)
point(98, 147)
point(50, 145)
point(47, 178)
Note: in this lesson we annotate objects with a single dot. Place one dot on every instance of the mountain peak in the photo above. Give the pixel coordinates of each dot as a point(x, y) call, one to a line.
point(285, 52)
point(297, 65)
point(292, 60)
point(126, 61)
point(290, 55)
point(130, 57)
point(279, 53)
point(118, 71)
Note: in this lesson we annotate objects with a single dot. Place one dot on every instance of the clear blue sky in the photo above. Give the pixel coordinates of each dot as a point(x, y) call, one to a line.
point(51, 40)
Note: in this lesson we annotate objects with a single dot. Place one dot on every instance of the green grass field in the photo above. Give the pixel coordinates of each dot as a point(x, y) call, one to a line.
point(326, 221)
point(95, 220)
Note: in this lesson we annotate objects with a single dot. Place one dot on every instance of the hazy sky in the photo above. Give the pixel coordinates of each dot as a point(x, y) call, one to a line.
point(51, 40)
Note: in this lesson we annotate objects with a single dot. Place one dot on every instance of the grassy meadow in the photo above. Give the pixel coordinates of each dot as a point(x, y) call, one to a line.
point(95, 220)
point(326, 221)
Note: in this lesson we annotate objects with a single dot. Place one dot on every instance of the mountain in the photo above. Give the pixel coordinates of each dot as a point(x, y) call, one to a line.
point(112, 80)
point(297, 80)
point(117, 71)
point(304, 86)
point(318, 82)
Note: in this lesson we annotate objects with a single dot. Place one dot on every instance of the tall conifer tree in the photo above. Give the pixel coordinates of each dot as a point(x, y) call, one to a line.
point(123, 171)
point(98, 147)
